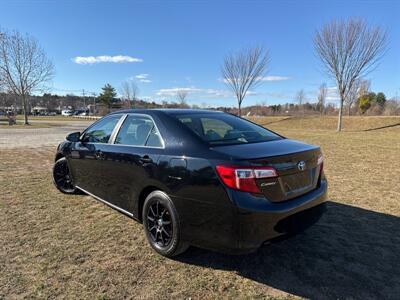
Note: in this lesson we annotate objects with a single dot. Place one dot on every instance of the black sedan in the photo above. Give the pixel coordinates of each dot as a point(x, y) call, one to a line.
point(196, 177)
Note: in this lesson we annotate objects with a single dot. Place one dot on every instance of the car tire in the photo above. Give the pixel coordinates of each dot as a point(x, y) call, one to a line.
point(62, 177)
point(161, 225)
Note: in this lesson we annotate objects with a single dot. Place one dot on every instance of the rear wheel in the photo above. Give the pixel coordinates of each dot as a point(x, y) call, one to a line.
point(62, 177)
point(161, 225)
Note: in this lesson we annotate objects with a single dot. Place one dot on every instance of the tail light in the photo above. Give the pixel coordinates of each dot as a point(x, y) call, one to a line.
point(320, 162)
point(244, 178)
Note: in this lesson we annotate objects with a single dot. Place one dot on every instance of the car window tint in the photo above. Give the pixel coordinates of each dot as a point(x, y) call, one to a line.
point(225, 129)
point(193, 124)
point(215, 129)
point(102, 130)
point(139, 131)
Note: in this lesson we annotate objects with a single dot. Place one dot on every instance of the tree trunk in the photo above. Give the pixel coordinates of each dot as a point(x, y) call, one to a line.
point(240, 109)
point(349, 112)
point(339, 126)
point(25, 105)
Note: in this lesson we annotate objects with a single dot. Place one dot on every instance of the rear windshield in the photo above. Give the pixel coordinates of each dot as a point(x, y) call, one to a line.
point(225, 129)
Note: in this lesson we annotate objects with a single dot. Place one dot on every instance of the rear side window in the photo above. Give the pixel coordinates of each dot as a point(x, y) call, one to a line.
point(102, 130)
point(223, 129)
point(139, 130)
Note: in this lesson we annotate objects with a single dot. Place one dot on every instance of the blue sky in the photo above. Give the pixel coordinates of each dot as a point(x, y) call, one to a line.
point(181, 44)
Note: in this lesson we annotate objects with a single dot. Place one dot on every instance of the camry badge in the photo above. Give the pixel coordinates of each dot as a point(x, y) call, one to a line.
point(264, 184)
point(301, 165)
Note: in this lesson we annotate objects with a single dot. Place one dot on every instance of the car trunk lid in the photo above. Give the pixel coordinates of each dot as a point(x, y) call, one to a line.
point(296, 164)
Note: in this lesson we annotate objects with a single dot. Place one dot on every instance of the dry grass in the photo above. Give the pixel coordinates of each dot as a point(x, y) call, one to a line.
point(57, 118)
point(38, 121)
point(58, 246)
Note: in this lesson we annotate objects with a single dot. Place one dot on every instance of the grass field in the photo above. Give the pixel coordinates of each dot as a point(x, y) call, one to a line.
point(58, 246)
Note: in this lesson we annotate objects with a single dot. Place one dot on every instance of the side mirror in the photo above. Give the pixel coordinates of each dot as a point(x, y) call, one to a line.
point(74, 137)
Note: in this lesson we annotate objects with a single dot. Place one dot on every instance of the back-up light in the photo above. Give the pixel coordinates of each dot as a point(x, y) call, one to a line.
point(244, 178)
point(320, 162)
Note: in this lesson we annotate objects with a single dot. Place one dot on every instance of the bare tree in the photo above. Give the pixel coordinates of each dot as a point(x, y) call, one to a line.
point(323, 91)
point(352, 95)
point(129, 91)
point(364, 88)
point(2, 83)
point(300, 96)
point(244, 71)
point(181, 97)
point(24, 66)
point(349, 50)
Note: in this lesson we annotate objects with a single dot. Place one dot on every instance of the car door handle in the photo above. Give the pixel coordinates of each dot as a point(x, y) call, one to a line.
point(145, 159)
point(99, 154)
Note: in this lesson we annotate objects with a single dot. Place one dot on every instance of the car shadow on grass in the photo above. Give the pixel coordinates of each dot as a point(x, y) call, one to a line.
point(350, 253)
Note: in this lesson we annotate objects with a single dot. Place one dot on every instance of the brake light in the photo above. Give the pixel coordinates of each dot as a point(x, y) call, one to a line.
point(244, 178)
point(320, 162)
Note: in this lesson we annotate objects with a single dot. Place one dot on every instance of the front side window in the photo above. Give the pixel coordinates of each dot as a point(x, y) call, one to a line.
point(102, 130)
point(139, 130)
point(223, 129)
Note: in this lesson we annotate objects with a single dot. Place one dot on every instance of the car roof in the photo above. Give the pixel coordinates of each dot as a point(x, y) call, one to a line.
point(169, 111)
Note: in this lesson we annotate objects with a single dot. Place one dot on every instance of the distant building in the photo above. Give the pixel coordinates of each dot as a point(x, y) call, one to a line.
point(40, 110)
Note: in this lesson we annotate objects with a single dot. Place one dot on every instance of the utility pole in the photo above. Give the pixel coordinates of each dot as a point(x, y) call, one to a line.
point(94, 102)
point(84, 101)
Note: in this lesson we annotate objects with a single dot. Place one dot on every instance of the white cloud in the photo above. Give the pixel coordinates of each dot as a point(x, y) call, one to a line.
point(274, 78)
point(174, 91)
point(199, 92)
point(142, 78)
point(84, 60)
point(265, 78)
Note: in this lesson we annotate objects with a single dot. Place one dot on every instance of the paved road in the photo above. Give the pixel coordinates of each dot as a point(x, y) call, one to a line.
point(38, 137)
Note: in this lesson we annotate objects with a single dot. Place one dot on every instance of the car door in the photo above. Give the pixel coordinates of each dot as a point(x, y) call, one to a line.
point(88, 156)
point(133, 156)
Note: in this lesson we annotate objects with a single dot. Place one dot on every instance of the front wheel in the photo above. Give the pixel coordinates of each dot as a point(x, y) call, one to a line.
point(62, 177)
point(161, 225)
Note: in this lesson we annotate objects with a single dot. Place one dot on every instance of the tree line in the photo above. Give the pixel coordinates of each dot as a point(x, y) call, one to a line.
point(365, 102)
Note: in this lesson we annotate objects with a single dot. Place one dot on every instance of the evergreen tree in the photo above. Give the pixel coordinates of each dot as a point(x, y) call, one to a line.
point(380, 99)
point(107, 95)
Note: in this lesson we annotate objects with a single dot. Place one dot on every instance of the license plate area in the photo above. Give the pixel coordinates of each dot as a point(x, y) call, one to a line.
point(298, 183)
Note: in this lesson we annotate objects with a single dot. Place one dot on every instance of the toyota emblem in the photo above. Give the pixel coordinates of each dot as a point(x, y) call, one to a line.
point(301, 165)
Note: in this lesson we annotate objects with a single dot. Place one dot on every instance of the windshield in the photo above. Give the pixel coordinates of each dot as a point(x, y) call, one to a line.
point(222, 129)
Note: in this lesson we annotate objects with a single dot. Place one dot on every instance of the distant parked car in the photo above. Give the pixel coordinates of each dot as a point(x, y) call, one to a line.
point(80, 112)
point(83, 113)
point(67, 112)
point(196, 177)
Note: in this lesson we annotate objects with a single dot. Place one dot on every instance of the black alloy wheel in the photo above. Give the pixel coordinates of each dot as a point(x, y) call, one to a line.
point(161, 225)
point(62, 177)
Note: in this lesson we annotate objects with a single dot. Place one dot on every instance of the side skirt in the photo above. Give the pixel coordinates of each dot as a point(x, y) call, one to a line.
point(106, 202)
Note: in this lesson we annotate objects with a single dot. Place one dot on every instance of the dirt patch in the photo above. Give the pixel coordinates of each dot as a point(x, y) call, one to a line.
point(34, 136)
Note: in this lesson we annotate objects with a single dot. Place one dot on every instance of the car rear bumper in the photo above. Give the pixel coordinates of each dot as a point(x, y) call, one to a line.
point(253, 220)
point(260, 220)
